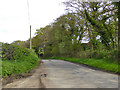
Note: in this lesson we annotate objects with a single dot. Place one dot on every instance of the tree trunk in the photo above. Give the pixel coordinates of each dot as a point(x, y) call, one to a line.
point(119, 32)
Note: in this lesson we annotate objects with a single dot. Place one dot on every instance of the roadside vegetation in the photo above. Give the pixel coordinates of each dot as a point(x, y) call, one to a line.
point(87, 33)
point(17, 60)
point(0, 67)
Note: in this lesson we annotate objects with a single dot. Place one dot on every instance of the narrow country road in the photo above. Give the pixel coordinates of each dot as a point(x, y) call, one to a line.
point(62, 74)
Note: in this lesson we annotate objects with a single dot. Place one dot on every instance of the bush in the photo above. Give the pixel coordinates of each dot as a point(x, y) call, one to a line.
point(17, 60)
point(0, 67)
point(111, 55)
point(13, 52)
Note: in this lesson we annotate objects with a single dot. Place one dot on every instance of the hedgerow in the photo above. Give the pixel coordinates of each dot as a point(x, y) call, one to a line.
point(16, 60)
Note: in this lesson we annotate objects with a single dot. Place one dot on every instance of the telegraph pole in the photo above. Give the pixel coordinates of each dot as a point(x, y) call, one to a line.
point(30, 39)
point(29, 24)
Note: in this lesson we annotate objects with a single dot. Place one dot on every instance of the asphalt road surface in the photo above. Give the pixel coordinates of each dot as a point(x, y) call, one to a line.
point(63, 74)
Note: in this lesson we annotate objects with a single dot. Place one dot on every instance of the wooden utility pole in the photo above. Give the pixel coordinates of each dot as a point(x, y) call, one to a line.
point(30, 39)
point(29, 24)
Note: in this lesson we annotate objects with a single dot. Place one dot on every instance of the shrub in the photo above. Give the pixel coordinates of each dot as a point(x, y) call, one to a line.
point(13, 52)
point(19, 61)
point(111, 55)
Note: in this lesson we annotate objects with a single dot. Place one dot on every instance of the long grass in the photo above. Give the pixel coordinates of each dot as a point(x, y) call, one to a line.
point(11, 68)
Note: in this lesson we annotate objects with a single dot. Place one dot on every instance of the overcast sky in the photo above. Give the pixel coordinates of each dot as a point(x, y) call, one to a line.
point(14, 23)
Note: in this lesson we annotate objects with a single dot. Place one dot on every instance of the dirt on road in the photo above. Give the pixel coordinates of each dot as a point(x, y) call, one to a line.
point(30, 81)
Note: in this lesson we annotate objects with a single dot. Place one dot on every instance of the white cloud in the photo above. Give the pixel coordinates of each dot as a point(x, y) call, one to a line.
point(14, 24)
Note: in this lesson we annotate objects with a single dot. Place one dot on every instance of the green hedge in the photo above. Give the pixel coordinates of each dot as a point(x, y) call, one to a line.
point(110, 55)
point(17, 60)
point(0, 66)
point(14, 52)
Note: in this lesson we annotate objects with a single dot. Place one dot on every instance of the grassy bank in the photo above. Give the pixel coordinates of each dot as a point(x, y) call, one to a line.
point(97, 63)
point(16, 68)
